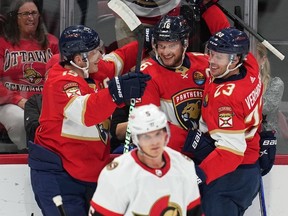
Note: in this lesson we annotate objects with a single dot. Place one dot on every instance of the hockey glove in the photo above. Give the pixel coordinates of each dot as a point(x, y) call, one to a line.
point(130, 85)
point(268, 144)
point(199, 144)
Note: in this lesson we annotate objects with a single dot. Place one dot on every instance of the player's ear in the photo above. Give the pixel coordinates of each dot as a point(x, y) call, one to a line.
point(236, 60)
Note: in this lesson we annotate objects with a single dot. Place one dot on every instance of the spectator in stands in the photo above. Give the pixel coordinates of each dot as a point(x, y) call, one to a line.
point(72, 142)
point(273, 91)
point(33, 106)
point(25, 50)
point(151, 180)
point(270, 131)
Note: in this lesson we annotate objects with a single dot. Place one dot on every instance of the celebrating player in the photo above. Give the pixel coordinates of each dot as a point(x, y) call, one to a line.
point(231, 114)
point(150, 180)
point(72, 143)
point(177, 78)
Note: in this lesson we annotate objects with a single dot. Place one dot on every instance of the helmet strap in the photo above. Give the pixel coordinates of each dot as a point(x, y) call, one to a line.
point(227, 68)
point(84, 69)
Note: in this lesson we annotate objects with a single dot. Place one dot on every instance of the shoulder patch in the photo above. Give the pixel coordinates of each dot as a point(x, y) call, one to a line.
point(199, 78)
point(72, 89)
point(112, 165)
point(225, 117)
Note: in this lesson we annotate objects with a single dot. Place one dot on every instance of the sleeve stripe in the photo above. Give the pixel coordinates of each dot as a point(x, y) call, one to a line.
point(103, 210)
point(194, 203)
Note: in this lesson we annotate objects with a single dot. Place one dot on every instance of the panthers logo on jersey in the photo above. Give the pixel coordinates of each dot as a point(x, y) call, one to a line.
point(187, 107)
point(103, 130)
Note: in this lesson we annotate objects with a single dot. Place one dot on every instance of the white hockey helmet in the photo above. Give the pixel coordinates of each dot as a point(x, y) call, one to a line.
point(147, 118)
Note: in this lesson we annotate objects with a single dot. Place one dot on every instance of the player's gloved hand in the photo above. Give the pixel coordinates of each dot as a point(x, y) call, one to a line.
point(268, 143)
point(198, 144)
point(201, 177)
point(130, 85)
point(148, 39)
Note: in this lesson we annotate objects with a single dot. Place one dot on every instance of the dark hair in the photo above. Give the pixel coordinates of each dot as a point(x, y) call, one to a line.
point(11, 28)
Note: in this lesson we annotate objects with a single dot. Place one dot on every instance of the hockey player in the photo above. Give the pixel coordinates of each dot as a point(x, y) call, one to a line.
point(71, 144)
point(231, 114)
point(178, 78)
point(150, 180)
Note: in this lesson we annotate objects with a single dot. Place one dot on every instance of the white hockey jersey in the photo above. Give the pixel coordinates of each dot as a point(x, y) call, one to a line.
point(126, 186)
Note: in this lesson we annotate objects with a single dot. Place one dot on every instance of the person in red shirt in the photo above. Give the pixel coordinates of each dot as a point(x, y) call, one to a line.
point(25, 50)
point(71, 144)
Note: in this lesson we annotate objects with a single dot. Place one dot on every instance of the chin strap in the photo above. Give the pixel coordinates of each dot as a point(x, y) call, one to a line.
point(232, 57)
point(228, 70)
point(84, 69)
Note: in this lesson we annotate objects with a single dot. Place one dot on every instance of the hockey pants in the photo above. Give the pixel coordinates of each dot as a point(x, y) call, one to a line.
point(48, 179)
point(231, 194)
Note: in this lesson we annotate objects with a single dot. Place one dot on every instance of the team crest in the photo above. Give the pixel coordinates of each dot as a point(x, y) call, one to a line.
point(225, 117)
point(72, 89)
point(162, 207)
point(103, 130)
point(187, 107)
point(199, 77)
point(112, 165)
point(31, 75)
point(205, 100)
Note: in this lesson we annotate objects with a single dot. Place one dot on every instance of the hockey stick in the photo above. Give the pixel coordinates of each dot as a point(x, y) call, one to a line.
point(262, 198)
point(134, 24)
point(253, 32)
point(59, 204)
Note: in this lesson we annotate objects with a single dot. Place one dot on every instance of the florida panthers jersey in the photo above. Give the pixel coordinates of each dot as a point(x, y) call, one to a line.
point(74, 122)
point(22, 67)
point(232, 113)
point(178, 92)
point(128, 187)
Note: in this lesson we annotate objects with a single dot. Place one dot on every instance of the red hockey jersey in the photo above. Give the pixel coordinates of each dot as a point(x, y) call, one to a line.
point(74, 122)
point(179, 94)
point(232, 113)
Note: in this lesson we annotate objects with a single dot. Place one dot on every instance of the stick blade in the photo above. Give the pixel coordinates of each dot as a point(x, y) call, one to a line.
point(122, 10)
